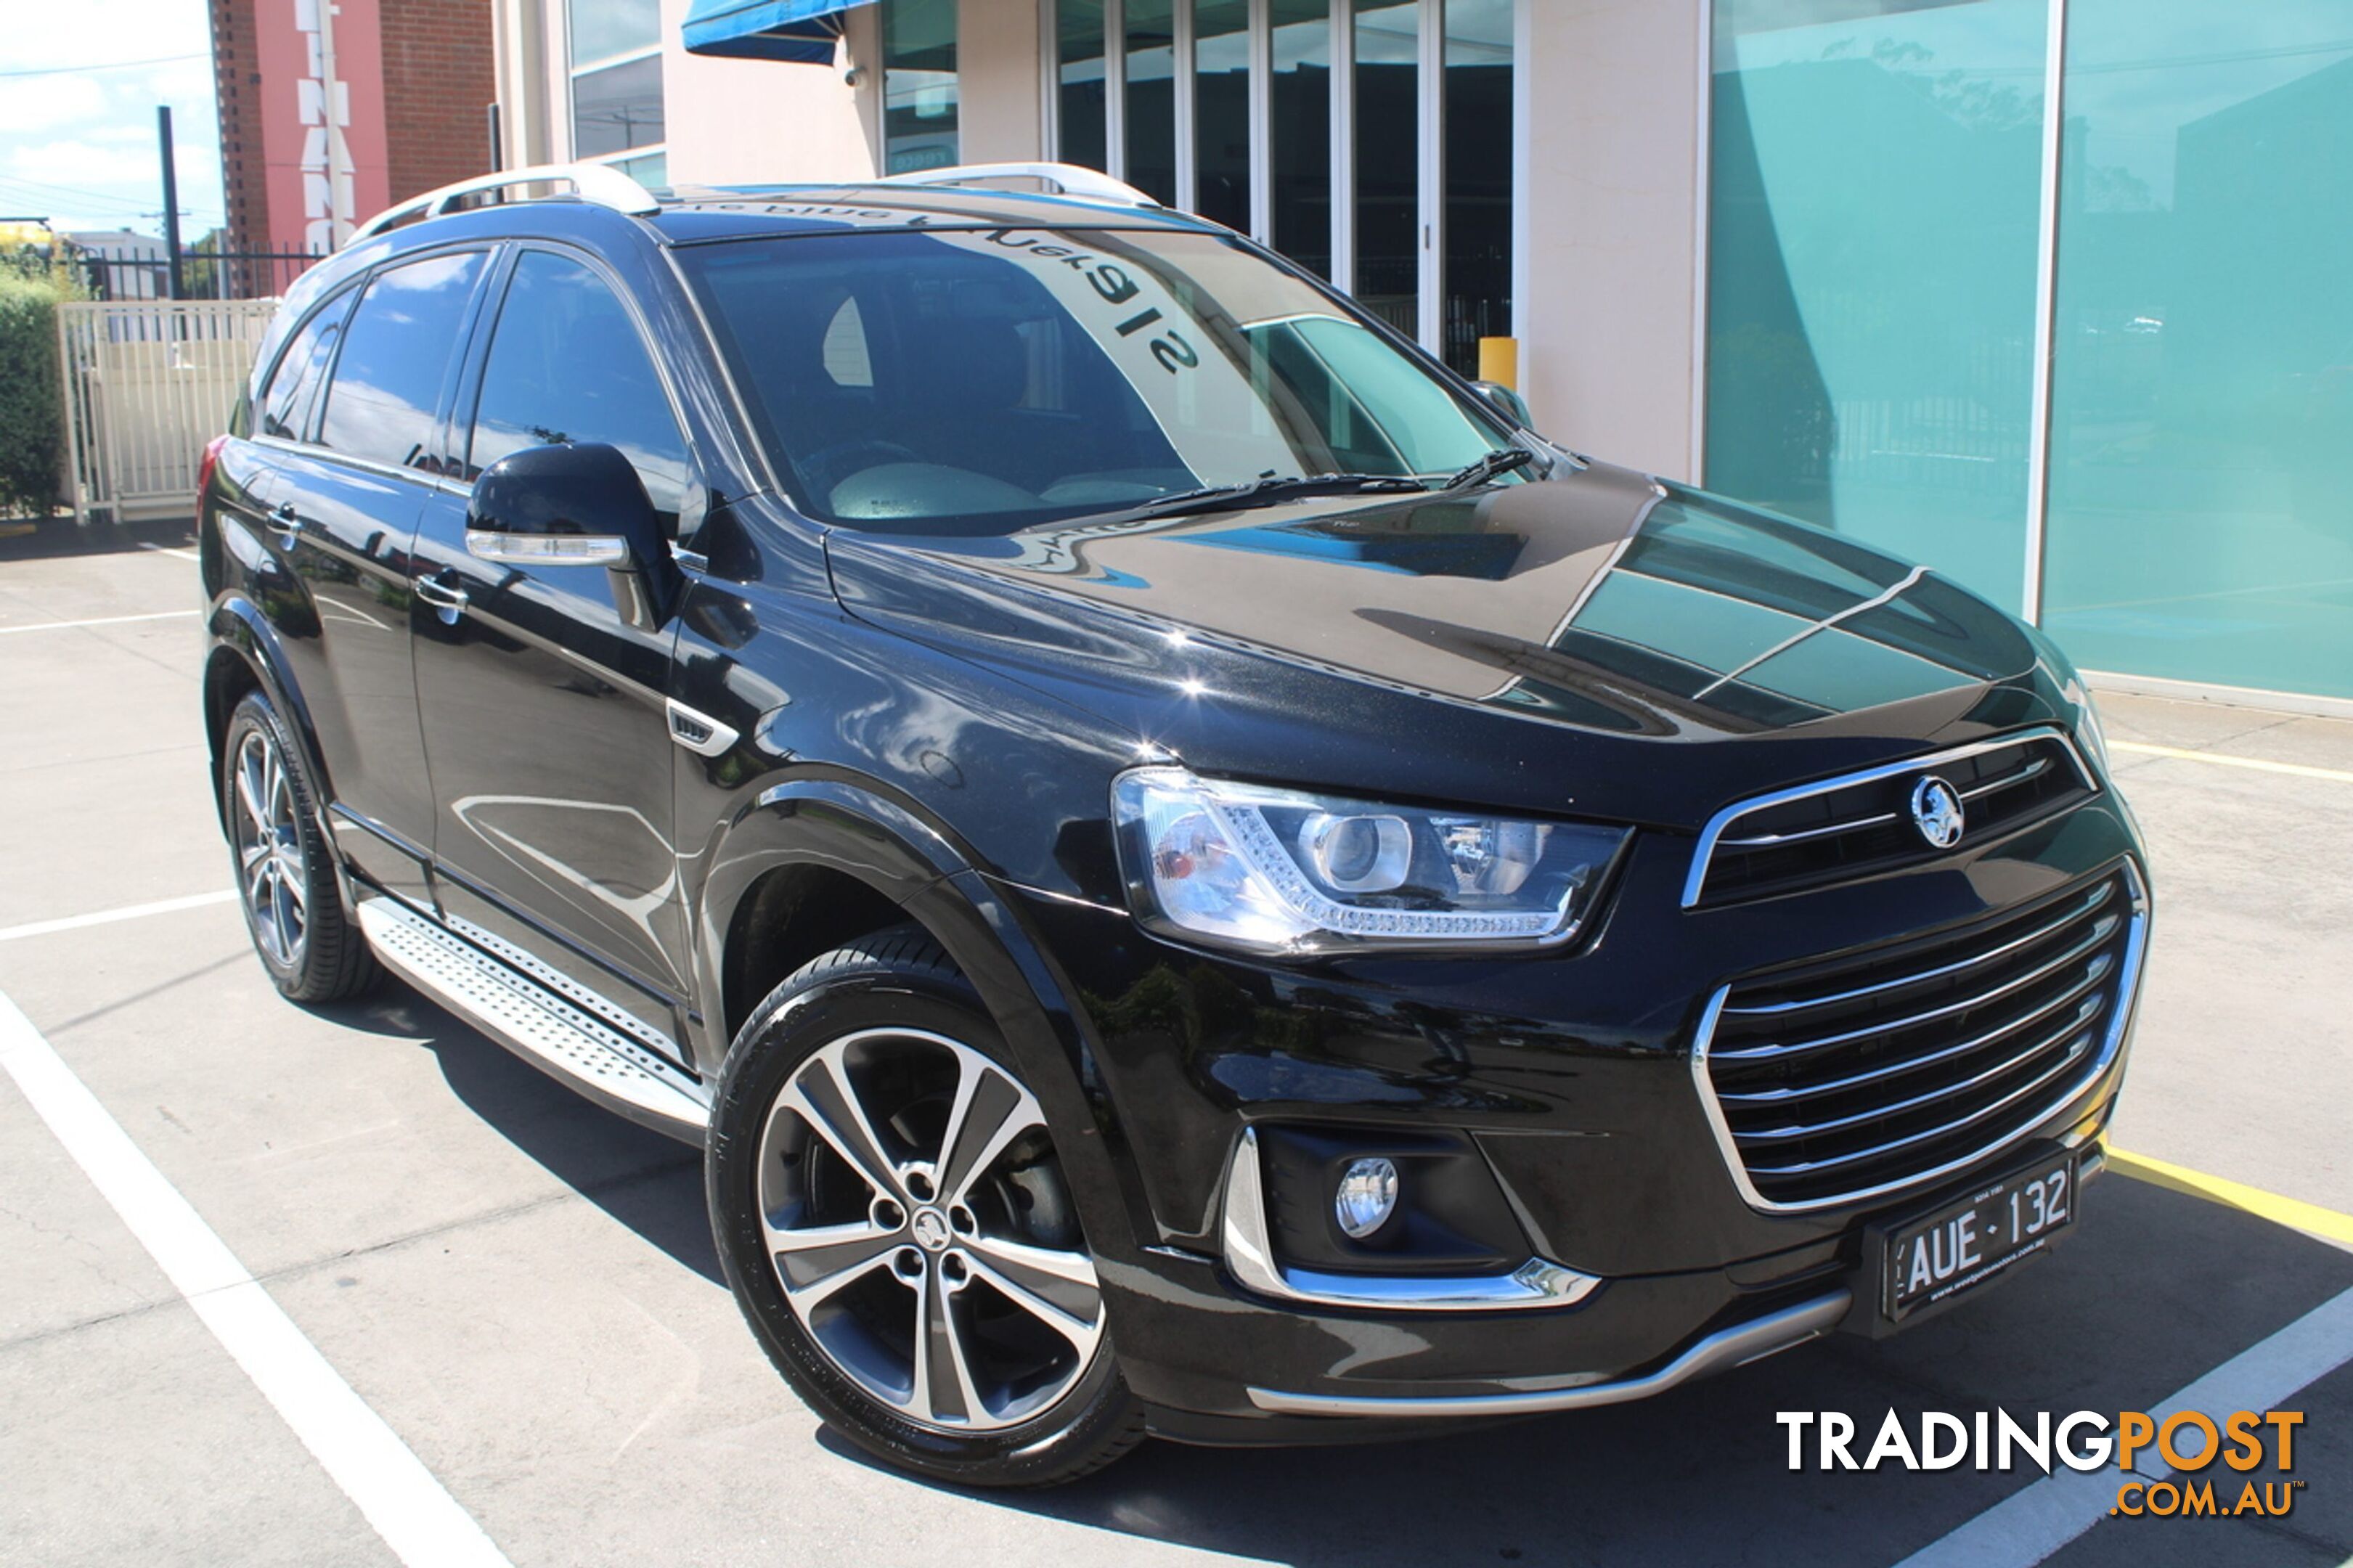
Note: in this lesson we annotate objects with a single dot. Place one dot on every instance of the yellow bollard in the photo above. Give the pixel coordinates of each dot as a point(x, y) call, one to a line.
point(1499, 362)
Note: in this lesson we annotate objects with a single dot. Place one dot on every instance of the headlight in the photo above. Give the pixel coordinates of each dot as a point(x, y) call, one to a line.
point(1281, 871)
point(2088, 729)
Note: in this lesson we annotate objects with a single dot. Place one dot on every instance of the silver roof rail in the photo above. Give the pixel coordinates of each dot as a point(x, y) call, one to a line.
point(1068, 179)
point(600, 184)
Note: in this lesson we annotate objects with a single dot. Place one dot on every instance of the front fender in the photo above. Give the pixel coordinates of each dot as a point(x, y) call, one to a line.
point(860, 828)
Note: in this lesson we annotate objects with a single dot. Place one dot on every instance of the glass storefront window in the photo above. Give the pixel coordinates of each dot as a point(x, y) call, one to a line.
point(1221, 140)
point(618, 108)
point(617, 77)
point(918, 85)
point(2201, 515)
point(1079, 106)
point(607, 29)
point(1388, 82)
point(1873, 220)
point(1477, 178)
point(1152, 97)
point(1303, 132)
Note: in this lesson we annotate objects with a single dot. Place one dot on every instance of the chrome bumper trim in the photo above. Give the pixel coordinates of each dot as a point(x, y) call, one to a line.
point(1250, 1255)
point(1719, 1351)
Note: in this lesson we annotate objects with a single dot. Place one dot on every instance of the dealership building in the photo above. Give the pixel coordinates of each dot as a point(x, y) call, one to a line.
point(2054, 295)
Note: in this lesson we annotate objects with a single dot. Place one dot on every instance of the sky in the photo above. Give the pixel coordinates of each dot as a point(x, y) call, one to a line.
point(79, 80)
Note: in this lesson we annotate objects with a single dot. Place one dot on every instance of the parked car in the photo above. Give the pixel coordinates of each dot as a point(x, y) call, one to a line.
point(1191, 873)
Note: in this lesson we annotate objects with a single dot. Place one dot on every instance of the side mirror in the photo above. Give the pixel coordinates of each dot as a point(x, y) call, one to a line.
point(577, 506)
point(1507, 403)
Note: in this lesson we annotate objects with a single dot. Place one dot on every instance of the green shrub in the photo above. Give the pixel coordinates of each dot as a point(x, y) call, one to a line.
point(32, 429)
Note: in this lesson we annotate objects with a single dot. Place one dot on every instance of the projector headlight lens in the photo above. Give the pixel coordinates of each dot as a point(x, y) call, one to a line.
point(1282, 871)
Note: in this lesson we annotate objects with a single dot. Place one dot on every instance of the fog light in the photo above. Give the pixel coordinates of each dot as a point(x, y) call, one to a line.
point(1366, 1197)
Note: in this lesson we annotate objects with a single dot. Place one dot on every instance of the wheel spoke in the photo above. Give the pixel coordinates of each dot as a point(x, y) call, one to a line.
point(821, 1094)
point(989, 1112)
point(1034, 1266)
point(1083, 1332)
point(290, 883)
point(943, 1384)
point(251, 855)
point(250, 790)
point(281, 919)
point(817, 1261)
point(274, 788)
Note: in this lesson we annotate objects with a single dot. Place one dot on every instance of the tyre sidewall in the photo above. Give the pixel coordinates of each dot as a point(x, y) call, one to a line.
point(783, 1034)
point(311, 975)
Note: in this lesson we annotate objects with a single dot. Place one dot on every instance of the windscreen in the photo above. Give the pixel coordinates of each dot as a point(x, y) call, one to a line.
point(979, 382)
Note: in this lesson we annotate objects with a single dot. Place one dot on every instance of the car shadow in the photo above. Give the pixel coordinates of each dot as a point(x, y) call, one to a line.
point(650, 1182)
point(2154, 1290)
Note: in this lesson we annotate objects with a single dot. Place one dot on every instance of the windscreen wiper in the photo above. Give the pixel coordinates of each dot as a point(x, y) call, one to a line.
point(1270, 489)
point(1500, 461)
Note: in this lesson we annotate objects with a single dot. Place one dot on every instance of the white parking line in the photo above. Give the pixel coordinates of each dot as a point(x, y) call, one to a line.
point(108, 917)
point(2260, 765)
point(167, 549)
point(100, 621)
point(2030, 1525)
point(418, 1518)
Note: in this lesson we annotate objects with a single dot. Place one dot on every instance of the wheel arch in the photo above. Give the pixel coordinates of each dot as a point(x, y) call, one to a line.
point(812, 862)
point(243, 657)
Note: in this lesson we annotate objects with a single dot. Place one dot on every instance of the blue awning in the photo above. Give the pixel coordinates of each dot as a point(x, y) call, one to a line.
point(801, 30)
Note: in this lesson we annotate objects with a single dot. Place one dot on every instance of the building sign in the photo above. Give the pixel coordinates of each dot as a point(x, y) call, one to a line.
point(314, 65)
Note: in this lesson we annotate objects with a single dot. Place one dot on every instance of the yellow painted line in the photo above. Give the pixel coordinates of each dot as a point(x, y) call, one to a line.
point(2294, 1213)
point(2260, 765)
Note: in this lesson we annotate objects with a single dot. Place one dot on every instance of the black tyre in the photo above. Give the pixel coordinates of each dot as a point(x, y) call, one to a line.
point(895, 1226)
point(285, 868)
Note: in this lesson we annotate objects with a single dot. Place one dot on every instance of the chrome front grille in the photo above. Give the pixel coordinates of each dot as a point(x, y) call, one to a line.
point(1847, 1082)
point(1862, 823)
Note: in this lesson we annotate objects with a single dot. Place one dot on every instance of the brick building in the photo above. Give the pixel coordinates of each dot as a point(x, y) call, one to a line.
point(412, 80)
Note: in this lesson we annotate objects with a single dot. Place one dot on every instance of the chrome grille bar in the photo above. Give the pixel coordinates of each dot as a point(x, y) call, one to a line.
point(1910, 1139)
point(2098, 897)
point(1978, 1107)
point(2085, 1008)
point(1716, 834)
point(2101, 931)
point(1879, 1113)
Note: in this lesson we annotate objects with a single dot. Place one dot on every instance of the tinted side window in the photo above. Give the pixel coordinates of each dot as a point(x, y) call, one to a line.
point(567, 366)
point(397, 351)
point(286, 403)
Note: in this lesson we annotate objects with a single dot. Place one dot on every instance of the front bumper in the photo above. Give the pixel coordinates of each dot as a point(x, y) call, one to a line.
point(1571, 1074)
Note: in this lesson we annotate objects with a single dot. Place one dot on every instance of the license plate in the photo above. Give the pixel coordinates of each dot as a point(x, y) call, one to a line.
point(1932, 1259)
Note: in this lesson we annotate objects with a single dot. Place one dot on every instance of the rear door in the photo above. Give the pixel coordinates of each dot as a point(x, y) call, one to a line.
point(343, 513)
point(543, 709)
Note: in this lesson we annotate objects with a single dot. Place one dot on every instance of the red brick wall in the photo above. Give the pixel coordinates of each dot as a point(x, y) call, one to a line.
point(438, 81)
point(236, 81)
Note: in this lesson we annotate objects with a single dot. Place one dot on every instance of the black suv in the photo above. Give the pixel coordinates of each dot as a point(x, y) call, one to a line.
point(1191, 873)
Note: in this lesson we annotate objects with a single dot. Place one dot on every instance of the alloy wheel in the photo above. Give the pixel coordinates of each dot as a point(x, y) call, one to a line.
point(274, 873)
point(919, 1223)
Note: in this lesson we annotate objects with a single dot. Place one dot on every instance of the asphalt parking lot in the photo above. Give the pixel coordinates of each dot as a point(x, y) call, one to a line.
point(523, 1288)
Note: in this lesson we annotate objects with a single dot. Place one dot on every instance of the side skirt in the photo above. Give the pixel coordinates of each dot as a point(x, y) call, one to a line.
point(530, 1019)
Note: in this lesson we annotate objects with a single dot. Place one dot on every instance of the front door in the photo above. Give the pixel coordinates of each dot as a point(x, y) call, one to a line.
point(543, 709)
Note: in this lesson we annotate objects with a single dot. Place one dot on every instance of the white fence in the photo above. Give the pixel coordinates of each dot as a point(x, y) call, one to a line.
point(147, 383)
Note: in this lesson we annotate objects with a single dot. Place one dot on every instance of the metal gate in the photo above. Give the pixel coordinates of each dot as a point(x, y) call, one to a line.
point(147, 383)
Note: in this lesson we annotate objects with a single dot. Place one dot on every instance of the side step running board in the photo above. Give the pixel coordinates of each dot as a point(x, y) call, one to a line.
point(532, 1021)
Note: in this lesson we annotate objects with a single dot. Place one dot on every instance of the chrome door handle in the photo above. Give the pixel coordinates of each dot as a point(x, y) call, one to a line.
point(448, 602)
point(285, 524)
